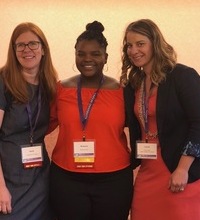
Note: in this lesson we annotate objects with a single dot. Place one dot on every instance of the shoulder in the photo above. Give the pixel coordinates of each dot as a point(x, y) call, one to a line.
point(181, 69)
point(70, 82)
point(111, 83)
point(185, 79)
point(182, 74)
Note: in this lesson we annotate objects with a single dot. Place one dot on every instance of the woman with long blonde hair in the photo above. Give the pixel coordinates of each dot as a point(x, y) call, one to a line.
point(162, 100)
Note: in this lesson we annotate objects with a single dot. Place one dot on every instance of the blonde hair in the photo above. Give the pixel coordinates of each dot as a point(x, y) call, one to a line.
point(164, 54)
point(12, 70)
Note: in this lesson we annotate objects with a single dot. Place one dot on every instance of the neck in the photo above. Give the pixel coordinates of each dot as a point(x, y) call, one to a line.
point(31, 78)
point(91, 81)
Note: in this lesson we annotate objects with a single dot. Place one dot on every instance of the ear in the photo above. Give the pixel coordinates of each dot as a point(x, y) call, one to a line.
point(106, 58)
point(42, 52)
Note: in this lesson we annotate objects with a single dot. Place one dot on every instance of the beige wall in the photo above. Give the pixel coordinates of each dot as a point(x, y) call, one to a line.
point(63, 20)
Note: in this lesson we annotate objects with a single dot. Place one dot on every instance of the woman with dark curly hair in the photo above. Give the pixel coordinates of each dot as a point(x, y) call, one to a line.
point(91, 177)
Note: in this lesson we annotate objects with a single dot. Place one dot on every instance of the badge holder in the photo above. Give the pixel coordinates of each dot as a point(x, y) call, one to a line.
point(146, 150)
point(32, 155)
point(84, 153)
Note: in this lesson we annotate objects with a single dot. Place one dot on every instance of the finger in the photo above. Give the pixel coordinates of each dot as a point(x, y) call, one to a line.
point(181, 189)
point(3, 209)
point(9, 208)
point(175, 189)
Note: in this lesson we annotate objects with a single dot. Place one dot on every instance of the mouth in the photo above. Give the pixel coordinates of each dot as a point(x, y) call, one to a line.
point(136, 58)
point(88, 67)
point(28, 57)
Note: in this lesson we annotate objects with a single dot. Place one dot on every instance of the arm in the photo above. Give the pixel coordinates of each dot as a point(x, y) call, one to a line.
point(5, 197)
point(53, 123)
point(188, 90)
point(179, 177)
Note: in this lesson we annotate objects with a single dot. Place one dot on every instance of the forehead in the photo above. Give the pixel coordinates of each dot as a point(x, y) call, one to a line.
point(27, 36)
point(135, 37)
point(88, 45)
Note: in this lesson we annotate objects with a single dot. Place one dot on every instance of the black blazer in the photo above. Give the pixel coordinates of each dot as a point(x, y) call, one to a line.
point(178, 118)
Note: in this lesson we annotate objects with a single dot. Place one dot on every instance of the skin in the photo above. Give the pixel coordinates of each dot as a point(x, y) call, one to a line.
point(90, 60)
point(140, 52)
point(29, 59)
point(30, 62)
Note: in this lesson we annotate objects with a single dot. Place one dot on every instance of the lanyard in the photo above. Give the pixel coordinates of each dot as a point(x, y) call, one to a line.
point(84, 118)
point(28, 108)
point(145, 101)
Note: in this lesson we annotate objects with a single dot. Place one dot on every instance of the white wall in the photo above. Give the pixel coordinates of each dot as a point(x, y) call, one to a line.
point(63, 20)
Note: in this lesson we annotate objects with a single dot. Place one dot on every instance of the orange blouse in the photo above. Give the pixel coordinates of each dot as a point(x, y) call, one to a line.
point(105, 125)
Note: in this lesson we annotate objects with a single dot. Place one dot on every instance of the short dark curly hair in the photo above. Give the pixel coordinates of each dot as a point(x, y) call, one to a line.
point(94, 31)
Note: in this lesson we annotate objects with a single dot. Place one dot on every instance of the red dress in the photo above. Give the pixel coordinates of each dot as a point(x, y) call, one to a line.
point(152, 198)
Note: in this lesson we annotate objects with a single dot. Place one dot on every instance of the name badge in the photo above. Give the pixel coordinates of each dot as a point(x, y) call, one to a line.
point(146, 150)
point(84, 154)
point(32, 155)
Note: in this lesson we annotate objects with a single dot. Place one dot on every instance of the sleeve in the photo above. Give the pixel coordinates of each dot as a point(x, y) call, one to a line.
point(188, 89)
point(3, 102)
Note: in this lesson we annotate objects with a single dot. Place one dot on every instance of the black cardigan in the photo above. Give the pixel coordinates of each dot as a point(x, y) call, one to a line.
point(178, 118)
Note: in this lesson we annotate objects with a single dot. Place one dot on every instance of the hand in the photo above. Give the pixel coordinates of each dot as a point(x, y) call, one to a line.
point(178, 180)
point(5, 200)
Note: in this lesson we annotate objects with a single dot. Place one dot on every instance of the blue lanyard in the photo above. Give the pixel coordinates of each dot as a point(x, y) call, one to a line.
point(145, 108)
point(28, 108)
point(84, 118)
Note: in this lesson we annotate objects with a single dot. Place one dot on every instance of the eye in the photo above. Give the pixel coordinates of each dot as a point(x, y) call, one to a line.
point(96, 54)
point(128, 46)
point(140, 44)
point(79, 54)
point(20, 45)
point(33, 43)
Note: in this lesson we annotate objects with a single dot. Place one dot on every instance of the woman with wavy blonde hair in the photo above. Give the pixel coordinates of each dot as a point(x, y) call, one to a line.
point(162, 100)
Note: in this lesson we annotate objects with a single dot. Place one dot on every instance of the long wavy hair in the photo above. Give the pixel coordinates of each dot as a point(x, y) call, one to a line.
point(165, 57)
point(12, 70)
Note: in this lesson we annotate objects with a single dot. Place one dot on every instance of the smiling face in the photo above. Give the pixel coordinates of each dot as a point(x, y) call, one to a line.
point(90, 57)
point(29, 59)
point(140, 50)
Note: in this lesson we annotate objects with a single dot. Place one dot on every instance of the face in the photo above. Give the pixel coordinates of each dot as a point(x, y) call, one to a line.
point(29, 58)
point(90, 57)
point(140, 50)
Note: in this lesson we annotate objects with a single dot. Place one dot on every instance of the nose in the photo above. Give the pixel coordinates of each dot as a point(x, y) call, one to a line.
point(132, 50)
point(87, 57)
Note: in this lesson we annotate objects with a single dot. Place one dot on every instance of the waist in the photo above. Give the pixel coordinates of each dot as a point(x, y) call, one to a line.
point(90, 176)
